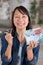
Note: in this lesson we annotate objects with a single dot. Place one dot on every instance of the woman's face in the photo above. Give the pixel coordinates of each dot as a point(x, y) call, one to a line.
point(20, 20)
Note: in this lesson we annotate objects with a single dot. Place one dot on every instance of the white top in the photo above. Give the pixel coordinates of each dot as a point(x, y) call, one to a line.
point(19, 54)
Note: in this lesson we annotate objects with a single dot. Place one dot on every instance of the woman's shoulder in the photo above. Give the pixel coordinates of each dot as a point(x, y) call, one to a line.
point(3, 35)
point(3, 40)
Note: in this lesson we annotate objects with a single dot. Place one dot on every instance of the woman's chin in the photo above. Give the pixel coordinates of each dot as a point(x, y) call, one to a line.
point(21, 28)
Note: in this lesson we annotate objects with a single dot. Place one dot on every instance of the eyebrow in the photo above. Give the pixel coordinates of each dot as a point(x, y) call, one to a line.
point(18, 14)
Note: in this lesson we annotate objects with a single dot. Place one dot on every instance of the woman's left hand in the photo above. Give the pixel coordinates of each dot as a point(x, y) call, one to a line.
point(33, 44)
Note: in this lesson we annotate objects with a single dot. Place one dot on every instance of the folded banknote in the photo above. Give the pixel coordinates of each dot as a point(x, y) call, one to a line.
point(35, 34)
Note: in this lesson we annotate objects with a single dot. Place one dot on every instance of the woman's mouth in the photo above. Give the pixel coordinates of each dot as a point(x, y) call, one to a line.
point(20, 24)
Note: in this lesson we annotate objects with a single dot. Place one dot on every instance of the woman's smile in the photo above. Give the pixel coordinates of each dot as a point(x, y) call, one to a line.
point(20, 23)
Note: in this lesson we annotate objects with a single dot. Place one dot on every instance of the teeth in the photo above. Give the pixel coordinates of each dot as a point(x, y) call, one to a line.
point(20, 23)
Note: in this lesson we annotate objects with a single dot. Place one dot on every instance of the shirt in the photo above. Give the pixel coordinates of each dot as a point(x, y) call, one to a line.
point(15, 52)
point(19, 54)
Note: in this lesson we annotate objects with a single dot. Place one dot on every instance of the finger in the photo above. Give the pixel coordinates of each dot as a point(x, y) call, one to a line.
point(36, 43)
point(8, 36)
point(32, 44)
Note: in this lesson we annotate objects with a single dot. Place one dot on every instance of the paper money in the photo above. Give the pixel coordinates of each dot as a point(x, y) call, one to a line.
point(35, 34)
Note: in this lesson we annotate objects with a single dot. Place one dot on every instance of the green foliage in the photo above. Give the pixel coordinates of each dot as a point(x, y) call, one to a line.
point(33, 8)
point(40, 21)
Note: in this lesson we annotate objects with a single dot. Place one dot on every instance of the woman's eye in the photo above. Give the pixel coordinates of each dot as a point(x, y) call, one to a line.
point(16, 16)
point(23, 16)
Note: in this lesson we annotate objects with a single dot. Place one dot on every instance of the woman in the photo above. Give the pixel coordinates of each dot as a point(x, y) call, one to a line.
point(14, 50)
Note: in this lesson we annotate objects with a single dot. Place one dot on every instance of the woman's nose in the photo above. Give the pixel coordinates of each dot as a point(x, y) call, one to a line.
point(20, 19)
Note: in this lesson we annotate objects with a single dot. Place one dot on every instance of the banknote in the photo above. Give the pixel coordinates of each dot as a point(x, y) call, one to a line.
point(35, 34)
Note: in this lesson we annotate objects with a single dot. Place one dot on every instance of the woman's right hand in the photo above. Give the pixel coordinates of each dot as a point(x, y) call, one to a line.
point(9, 38)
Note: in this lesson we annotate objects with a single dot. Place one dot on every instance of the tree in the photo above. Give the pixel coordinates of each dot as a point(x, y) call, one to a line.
point(33, 10)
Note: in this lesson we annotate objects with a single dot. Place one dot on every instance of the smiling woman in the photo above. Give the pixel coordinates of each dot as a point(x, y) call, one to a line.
point(14, 50)
point(20, 20)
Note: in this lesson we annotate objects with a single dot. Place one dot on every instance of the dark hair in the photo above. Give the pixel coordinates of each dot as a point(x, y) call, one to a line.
point(22, 10)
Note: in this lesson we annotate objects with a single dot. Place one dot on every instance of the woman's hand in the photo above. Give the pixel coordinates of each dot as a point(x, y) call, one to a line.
point(9, 38)
point(32, 45)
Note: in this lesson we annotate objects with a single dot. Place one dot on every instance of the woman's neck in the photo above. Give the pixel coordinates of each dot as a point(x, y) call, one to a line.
point(20, 32)
point(20, 35)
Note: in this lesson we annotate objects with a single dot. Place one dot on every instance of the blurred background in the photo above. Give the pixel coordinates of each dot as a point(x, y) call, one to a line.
point(35, 8)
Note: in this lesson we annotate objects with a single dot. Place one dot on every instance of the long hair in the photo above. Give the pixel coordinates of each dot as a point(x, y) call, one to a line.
point(22, 10)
